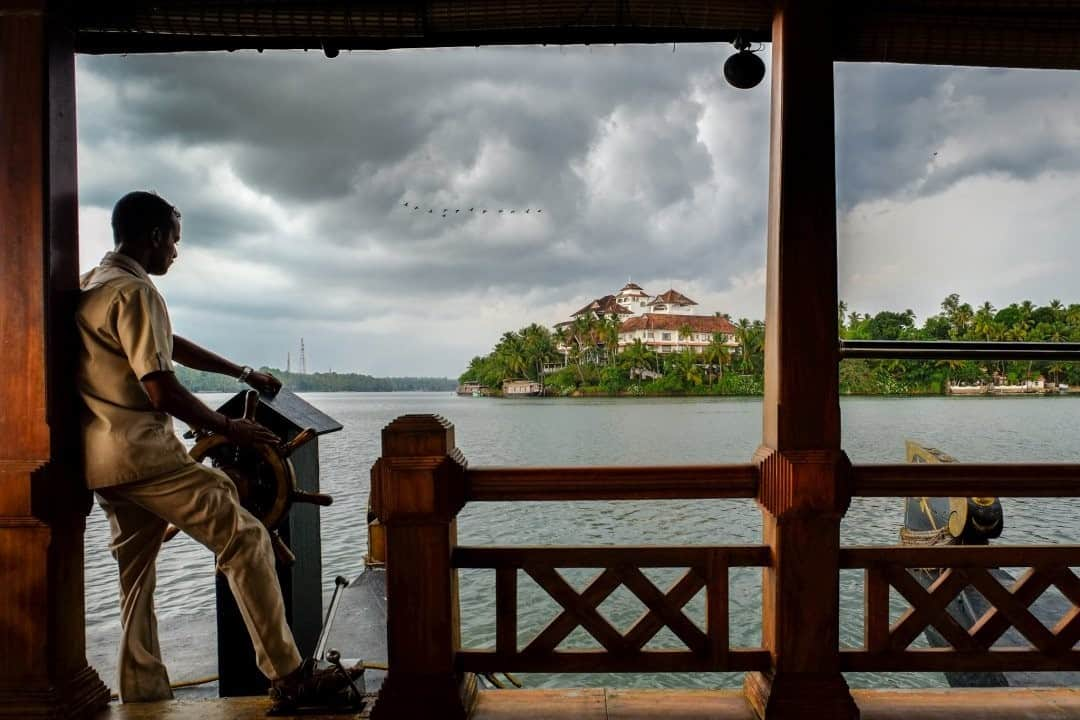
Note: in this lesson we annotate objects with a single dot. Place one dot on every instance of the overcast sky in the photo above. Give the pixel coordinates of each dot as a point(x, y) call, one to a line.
point(293, 171)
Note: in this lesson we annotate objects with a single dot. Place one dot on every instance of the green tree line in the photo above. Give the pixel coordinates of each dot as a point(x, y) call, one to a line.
point(198, 381)
point(594, 364)
point(958, 320)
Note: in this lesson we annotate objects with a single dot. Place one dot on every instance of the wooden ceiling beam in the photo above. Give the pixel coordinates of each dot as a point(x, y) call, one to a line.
point(999, 33)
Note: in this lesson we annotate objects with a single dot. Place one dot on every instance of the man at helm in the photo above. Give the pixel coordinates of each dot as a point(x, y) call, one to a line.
point(142, 475)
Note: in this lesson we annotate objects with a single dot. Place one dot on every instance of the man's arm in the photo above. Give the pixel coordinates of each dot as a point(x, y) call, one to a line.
point(196, 357)
point(169, 396)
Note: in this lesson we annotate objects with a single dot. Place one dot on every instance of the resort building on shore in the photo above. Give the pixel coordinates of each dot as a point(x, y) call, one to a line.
point(664, 323)
point(668, 332)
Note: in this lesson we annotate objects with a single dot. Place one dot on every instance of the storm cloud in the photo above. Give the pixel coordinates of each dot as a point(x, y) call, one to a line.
point(344, 200)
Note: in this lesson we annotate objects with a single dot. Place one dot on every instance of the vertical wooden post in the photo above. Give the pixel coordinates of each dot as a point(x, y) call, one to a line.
point(803, 492)
point(421, 489)
point(43, 501)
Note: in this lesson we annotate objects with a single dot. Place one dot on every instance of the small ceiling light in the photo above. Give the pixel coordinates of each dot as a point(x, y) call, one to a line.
point(744, 69)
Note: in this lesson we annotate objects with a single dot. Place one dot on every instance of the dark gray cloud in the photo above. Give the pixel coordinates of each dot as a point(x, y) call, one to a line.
point(601, 141)
point(292, 172)
point(920, 130)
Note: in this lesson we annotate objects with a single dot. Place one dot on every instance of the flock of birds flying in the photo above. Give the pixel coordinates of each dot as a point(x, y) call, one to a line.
point(482, 211)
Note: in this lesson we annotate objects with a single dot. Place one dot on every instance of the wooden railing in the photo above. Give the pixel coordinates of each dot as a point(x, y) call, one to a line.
point(419, 486)
point(887, 646)
point(966, 480)
point(707, 567)
point(683, 482)
point(422, 482)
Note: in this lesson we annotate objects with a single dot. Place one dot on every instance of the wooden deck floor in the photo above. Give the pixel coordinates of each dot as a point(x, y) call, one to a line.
point(599, 704)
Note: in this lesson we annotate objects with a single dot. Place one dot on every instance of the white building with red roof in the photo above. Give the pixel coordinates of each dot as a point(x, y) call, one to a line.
point(672, 302)
point(633, 298)
point(666, 332)
point(664, 323)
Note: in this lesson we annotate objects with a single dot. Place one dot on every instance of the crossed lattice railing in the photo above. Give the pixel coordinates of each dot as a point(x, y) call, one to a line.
point(705, 648)
point(421, 483)
point(887, 645)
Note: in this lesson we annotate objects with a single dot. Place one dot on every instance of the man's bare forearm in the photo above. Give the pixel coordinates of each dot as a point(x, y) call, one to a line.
point(168, 395)
point(197, 357)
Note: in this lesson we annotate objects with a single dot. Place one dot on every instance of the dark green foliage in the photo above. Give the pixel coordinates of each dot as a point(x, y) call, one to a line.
point(1022, 321)
point(888, 325)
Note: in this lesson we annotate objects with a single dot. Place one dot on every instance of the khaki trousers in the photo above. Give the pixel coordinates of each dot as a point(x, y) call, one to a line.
point(203, 503)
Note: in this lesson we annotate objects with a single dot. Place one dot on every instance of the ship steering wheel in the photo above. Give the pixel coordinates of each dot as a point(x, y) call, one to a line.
point(264, 476)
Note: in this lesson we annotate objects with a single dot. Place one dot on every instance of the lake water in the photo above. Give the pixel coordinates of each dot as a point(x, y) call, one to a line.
point(647, 431)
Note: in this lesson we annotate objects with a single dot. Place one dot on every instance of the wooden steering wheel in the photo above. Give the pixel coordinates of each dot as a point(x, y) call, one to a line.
point(264, 476)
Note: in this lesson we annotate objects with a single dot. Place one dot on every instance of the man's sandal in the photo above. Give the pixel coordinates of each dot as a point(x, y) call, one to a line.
point(310, 688)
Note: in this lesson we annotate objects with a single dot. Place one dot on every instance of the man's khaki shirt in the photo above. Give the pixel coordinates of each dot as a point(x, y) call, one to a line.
point(126, 335)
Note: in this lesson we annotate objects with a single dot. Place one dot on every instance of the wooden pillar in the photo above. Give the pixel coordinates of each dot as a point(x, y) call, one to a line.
point(43, 500)
point(803, 492)
point(420, 481)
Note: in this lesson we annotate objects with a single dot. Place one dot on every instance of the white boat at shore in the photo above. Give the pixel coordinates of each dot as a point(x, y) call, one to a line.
point(969, 389)
point(1028, 387)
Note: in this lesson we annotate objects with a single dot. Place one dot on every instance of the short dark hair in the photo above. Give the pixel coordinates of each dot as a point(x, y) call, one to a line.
point(139, 213)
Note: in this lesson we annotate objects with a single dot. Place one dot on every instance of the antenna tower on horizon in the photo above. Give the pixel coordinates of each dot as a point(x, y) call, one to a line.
point(288, 362)
point(303, 358)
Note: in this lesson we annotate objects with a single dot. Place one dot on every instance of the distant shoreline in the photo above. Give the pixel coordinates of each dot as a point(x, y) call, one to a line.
point(197, 381)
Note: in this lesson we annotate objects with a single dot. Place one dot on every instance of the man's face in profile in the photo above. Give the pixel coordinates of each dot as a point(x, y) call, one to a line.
point(164, 254)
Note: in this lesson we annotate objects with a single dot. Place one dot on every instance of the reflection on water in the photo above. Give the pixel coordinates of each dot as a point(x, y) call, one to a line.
point(606, 432)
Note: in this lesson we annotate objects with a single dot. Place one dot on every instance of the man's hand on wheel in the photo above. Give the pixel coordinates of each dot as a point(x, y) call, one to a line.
point(264, 382)
point(248, 432)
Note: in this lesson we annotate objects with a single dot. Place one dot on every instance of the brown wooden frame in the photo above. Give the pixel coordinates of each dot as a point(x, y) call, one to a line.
point(966, 480)
point(612, 483)
point(886, 647)
point(804, 481)
point(707, 568)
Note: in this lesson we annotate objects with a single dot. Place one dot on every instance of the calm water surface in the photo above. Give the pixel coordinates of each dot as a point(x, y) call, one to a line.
point(607, 432)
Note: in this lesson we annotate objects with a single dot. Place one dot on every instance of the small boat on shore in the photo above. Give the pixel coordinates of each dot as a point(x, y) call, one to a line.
point(968, 389)
point(473, 389)
point(521, 388)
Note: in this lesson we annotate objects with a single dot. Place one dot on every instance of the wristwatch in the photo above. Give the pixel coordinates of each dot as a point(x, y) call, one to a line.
point(245, 373)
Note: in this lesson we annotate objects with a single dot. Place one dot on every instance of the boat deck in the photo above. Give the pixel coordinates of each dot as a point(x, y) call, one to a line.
point(606, 704)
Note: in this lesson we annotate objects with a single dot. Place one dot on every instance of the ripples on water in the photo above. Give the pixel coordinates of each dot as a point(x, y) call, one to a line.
point(606, 432)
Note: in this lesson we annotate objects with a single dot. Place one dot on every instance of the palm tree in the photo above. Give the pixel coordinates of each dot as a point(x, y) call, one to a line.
point(1027, 309)
point(609, 333)
point(584, 333)
point(537, 349)
point(636, 357)
point(686, 332)
point(743, 331)
point(510, 355)
point(717, 353)
point(1055, 370)
point(983, 325)
point(841, 313)
point(1072, 316)
point(960, 320)
point(562, 338)
point(1058, 309)
point(685, 367)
